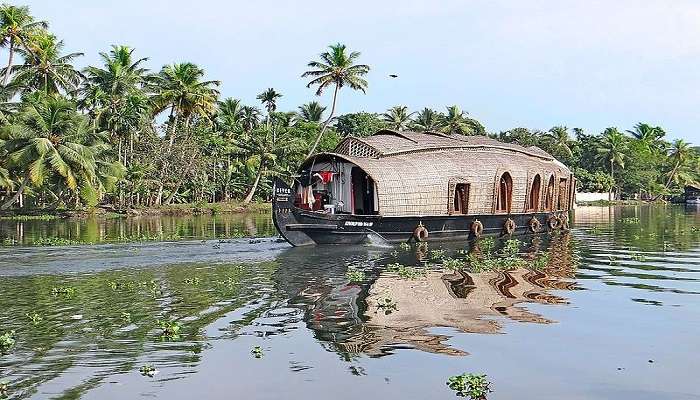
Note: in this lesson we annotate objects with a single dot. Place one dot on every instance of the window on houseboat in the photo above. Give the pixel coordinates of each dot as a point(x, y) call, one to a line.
point(563, 194)
point(461, 198)
point(504, 195)
point(549, 196)
point(534, 198)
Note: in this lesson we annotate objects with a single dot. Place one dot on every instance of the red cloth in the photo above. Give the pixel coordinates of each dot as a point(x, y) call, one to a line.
point(326, 176)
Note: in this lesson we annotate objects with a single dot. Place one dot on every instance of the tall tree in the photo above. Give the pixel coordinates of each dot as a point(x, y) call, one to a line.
point(51, 140)
point(268, 98)
point(228, 116)
point(457, 122)
point(180, 88)
point(679, 155)
point(560, 141)
point(45, 68)
point(311, 111)
point(336, 68)
point(397, 118)
point(612, 150)
point(650, 137)
point(16, 28)
point(114, 95)
point(427, 120)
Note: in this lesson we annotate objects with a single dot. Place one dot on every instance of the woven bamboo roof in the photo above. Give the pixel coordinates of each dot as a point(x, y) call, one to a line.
point(415, 172)
point(389, 142)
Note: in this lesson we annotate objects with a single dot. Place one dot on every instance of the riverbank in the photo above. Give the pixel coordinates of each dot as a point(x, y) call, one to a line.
point(163, 210)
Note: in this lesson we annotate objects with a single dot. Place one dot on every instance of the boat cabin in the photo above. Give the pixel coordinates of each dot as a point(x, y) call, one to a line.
point(406, 173)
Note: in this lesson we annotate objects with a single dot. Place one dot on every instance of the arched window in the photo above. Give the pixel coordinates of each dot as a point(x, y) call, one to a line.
point(533, 201)
point(549, 195)
point(504, 193)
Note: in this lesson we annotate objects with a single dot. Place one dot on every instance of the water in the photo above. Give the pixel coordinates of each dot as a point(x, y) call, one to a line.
point(614, 314)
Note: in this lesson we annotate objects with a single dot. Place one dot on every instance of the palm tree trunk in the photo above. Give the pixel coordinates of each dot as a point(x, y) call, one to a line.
point(179, 183)
point(669, 180)
point(17, 195)
point(251, 192)
point(173, 128)
point(9, 61)
point(325, 124)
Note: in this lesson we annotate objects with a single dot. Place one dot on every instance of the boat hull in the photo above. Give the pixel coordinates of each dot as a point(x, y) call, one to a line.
point(301, 227)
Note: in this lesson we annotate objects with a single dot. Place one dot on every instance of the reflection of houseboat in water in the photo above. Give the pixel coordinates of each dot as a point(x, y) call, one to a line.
point(406, 185)
point(346, 316)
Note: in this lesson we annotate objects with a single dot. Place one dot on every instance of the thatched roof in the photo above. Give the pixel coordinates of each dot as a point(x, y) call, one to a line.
point(388, 142)
point(415, 172)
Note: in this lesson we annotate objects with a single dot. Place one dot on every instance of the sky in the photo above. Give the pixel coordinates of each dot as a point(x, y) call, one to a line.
point(535, 64)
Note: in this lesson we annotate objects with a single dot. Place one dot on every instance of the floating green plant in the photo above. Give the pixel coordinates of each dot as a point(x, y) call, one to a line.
point(541, 261)
point(257, 352)
point(355, 275)
point(453, 264)
point(67, 291)
point(387, 304)
point(192, 281)
point(7, 341)
point(639, 257)
point(56, 241)
point(43, 217)
point(169, 329)
point(437, 254)
point(594, 231)
point(34, 318)
point(405, 272)
point(474, 386)
point(4, 389)
point(148, 370)
point(126, 317)
point(630, 220)
point(405, 246)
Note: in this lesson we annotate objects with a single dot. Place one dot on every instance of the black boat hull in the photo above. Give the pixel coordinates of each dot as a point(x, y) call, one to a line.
point(301, 227)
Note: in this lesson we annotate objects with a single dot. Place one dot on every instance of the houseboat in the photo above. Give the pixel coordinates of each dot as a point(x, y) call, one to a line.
point(410, 186)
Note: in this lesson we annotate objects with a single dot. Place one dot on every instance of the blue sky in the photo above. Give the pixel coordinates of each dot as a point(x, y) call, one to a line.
point(587, 63)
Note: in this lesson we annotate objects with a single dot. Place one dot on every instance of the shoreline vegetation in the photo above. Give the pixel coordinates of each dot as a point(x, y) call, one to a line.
point(121, 137)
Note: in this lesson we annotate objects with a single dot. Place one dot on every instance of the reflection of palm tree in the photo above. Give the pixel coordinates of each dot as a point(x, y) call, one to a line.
point(337, 68)
point(612, 149)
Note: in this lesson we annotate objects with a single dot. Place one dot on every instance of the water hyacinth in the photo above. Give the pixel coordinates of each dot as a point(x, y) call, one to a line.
point(474, 386)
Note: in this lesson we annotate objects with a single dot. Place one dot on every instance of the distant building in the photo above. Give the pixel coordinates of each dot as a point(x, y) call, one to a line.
point(692, 193)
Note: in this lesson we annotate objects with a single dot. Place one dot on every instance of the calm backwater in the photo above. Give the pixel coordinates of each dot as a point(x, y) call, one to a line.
point(614, 312)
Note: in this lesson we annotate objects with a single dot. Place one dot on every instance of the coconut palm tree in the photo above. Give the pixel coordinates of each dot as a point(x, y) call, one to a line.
point(228, 116)
point(268, 98)
point(16, 28)
point(114, 94)
point(45, 68)
point(49, 141)
point(457, 122)
point(397, 118)
point(268, 145)
point(558, 136)
point(650, 137)
point(612, 150)
point(680, 153)
point(311, 112)
point(250, 118)
point(427, 120)
point(180, 88)
point(336, 68)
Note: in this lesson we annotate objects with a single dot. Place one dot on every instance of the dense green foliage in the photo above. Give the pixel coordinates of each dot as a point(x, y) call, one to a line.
point(120, 135)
